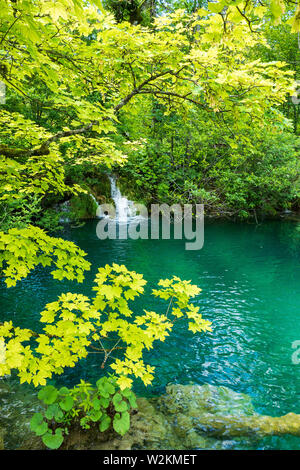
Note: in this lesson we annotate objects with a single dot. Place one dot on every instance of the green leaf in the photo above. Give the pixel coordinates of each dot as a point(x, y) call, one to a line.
point(104, 393)
point(105, 387)
point(54, 412)
point(110, 388)
point(132, 401)
point(48, 394)
point(38, 425)
point(215, 7)
point(119, 404)
point(104, 402)
point(127, 393)
point(101, 382)
point(67, 403)
point(63, 391)
point(53, 441)
point(121, 423)
point(95, 415)
point(96, 404)
point(104, 423)
point(117, 398)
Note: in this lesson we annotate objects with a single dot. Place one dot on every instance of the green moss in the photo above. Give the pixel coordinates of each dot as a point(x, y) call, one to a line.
point(99, 186)
point(132, 191)
point(82, 207)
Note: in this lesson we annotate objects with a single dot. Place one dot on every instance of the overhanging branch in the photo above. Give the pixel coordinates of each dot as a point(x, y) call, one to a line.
point(43, 149)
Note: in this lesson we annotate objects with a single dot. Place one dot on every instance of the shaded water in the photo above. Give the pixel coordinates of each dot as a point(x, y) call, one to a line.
point(249, 276)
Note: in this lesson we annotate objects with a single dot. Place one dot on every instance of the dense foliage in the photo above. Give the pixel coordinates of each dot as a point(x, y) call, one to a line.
point(206, 87)
point(84, 406)
point(189, 161)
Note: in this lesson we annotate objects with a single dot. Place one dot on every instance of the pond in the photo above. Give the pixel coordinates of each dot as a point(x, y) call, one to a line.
point(249, 276)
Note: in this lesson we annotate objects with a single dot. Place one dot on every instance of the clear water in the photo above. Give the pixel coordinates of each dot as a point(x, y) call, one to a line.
point(249, 277)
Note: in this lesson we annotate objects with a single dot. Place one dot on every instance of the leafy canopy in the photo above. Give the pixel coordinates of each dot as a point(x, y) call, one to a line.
point(73, 75)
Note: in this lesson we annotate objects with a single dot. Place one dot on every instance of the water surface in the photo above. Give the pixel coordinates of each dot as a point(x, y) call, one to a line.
point(249, 276)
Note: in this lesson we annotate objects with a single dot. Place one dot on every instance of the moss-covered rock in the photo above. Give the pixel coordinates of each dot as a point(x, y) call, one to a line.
point(100, 188)
point(173, 420)
point(132, 192)
point(82, 206)
point(195, 400)
point(98, 191)
point(195, 411)
point(200, 417)
point(1, 439)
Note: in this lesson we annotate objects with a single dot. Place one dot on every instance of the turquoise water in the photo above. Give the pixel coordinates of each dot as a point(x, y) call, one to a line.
point(249, 276)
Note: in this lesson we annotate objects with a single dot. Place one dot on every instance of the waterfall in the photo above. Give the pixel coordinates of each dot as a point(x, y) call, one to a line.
point(124, 207)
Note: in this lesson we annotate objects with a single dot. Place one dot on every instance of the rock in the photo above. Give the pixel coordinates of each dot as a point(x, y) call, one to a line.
point(83, 206)
point(1, 439)
point(173, 421)
point(17, 404)
point(193, 410)
point(196, 399)
point(185, 417)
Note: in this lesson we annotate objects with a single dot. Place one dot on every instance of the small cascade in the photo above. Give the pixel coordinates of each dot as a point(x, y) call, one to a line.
point(125, 208)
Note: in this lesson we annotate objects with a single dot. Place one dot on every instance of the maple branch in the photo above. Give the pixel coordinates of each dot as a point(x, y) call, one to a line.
point(10, 27)
point(43, 149)
point(176, 95)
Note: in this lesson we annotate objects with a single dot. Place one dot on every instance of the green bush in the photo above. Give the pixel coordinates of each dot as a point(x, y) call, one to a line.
point(105, 406)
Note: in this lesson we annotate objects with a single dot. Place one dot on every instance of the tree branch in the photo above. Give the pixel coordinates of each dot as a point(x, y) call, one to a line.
point(43, 149)
point(10, 27)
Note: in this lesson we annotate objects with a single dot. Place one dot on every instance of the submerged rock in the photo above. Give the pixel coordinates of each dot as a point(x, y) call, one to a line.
point(195, 400)
point(17, 405)
point(200, 417)
point(174, 420)
point(185, 417)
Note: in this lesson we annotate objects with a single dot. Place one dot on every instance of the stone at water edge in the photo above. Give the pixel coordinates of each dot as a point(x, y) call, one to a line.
point(200, 399)
point(219, 411)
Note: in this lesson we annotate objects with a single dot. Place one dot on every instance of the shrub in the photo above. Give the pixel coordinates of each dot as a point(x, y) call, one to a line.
point(105, 406)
